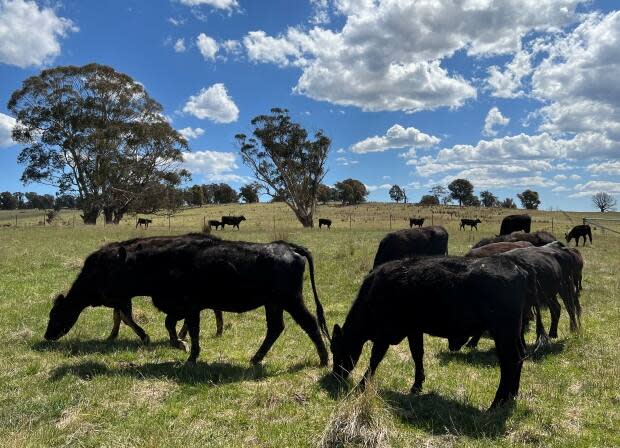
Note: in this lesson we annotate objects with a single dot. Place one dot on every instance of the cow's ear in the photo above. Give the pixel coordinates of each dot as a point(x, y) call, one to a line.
point(122, 254)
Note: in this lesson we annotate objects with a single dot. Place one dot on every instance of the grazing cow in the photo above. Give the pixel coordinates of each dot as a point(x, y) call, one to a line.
point(496, 248)
point(416, 222)
point(472, 223)
point(432, 240)
point(577, 264)
point(577, 232)
point(514, 223)
point(215, 223)
point(232, 221)
point(447, 297)
point(325, 222)
point(143, 221)
point(539, 238)
point(185, 274)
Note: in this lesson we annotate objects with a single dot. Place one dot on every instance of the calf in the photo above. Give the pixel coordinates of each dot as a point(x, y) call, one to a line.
point(325, 222)
point(143, 221)
point(185, 274)
point(232, 221)
point(539, 238)
point(418, 222)
point(514, 223)
point(441, 296)
point(496, 248)
point(578, 232)
point(472, 223)
point(432, 240)
point(215, 223)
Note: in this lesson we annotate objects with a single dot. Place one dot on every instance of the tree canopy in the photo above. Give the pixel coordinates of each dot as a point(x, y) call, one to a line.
point(461, 190)
point(351, 191)
point(95, 132)
point(604, 201)
point(249, 193)
point(397, 194)
point(529, 199)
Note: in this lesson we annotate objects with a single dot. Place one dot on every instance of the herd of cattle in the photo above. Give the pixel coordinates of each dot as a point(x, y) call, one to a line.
point(414, 288)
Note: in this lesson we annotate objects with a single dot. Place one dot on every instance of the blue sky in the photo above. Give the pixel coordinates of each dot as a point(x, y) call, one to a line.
point(510, 94)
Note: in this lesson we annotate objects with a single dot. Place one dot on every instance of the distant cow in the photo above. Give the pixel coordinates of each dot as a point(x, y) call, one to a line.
point(538, 239)
point(514, 223)
point(325, 222)
point(215, 223)
point(472, 223)
point(186, 274)
point(578, 232)
point(448, 297)
point(432, 240)
point(418, 222)
point(496, 248)
point(143, 221)
point(232, 221)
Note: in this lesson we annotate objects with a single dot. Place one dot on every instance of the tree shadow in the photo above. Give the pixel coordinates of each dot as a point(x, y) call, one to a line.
point(200, 373)
point(84, 347)
point(438, 415)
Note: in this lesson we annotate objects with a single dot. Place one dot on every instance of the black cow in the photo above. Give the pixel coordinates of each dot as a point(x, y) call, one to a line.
point(496, 248)
point(143, 221)
point(416, 222)
point(577, 232)
point(325, 222)
point(514, 223)
point(215, 223)
point(188, 273)
point(539, 238)
point(232, 221)
point(447, 297)
point(472, 223)
point(432, 240)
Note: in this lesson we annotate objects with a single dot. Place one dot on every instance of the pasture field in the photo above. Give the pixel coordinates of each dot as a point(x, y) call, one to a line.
point(84, 391)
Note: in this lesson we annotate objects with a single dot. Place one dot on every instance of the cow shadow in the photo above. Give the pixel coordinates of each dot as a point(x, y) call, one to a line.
point(200, 373)
point(488, 357)
point(336, 387)
point(85, 347)
point(439, 415)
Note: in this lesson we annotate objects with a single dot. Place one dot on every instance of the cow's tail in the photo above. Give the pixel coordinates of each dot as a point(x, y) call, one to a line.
point(589, 234)
point(320, 314)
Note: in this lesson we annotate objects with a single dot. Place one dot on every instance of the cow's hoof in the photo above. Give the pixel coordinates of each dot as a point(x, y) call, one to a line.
point(181, 345)
point(256, 360)
point(553, 334)
point(190, 363)
point(112, 337)
point(415, 389)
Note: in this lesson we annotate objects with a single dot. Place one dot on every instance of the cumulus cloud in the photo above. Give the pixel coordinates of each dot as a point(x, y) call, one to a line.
point(594, 186)
point(372, 188)
point(29, 35)
point(7, 124)
point(179, 46)
point(396, 137)
point(609, 167)
point(388, 54)
point(345, 161)
point(208, 46)
point(228, 5)
point(508, 83)
point(213, 103)
point(191, 133)
point(494, 118)
point(215, 166)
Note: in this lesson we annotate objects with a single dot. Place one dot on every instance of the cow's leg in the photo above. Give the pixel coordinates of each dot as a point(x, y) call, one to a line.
point(183, 331)
point(275, 326)
point(127, 318)
point(569, 304)
point(555, 309)
point(473, 342)
point(308, 323)
point(116, 323)
point(416, 345)
point(379, 349)
point(171, 326)
point(219, 322)
point(510, 362)
point(193, 325)
point(541, 334)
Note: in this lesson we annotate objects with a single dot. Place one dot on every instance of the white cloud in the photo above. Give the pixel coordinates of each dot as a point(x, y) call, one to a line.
point(560, 177)
point(191, 133)
point(176, 22)
point(345, 161)
point(396, 137)
point(208, 46)
point(509, 82)
point(179, 46)
point(560, 189)
point(215, 166)
point(594, 186)
point(232, 46)
point(610, 167)
point(494, 118)
point(388, 54)
point(29, 35)
point(320, 12)
point(7, 124)
point(213, 103)
point(372, 188)
point(219, 4)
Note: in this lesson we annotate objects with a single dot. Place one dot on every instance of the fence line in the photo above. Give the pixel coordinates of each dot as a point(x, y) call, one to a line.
point(594, 223)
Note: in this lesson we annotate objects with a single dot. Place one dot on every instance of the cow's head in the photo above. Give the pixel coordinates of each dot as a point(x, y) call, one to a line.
point(242, 218)
point(344, 353)
point(478, 220)
point(63, 315)
point(566, 237)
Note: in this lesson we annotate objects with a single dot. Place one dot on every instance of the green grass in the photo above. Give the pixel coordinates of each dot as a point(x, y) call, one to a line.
point(84, 391)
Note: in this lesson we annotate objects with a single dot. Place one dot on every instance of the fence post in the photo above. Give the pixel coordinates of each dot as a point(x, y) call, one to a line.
point(15, 220)
point(74, 221)
point(390, 221)
point(432, 219)
point(168, 223)
point(350, 220)
point(43, 219)
point(204, 222)
point(274, 224)
point(584, 221)
point(551, 225)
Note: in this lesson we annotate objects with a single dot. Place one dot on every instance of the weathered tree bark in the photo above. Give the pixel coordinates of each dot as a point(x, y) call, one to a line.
point(90, 216)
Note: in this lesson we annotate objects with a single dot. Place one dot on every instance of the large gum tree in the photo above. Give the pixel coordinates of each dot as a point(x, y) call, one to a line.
point(97, 133)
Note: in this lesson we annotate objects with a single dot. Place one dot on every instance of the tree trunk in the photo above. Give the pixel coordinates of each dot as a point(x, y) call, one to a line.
point(90, 216)
point(108, 215)
point(306, 220)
